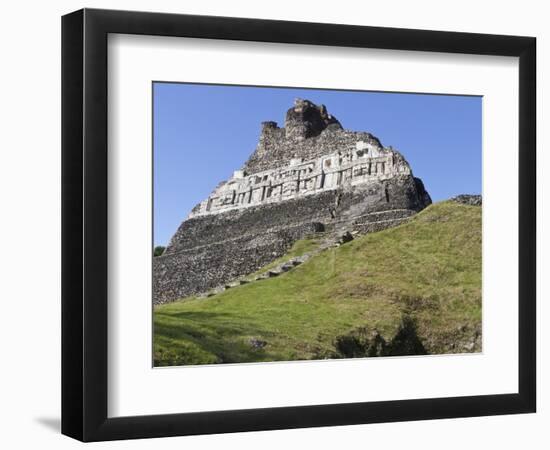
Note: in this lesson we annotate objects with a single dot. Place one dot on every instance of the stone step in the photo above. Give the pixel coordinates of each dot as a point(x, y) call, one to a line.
point(372, 227)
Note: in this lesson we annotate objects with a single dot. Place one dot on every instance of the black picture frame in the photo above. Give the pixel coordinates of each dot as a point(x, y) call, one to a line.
point(84, 224)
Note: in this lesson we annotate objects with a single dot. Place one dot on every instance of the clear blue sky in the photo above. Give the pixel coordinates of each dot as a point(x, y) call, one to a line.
point(202, 133)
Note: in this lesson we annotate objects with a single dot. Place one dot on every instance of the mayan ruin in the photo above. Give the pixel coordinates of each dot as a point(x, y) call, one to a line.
point(310, 176)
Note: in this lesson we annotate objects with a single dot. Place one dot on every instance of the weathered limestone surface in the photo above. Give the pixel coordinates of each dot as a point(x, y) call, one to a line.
point(468, 199)
point(310, 176)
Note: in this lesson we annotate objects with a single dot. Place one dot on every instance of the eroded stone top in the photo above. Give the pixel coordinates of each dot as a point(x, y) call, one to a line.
point(305, 120)
point(309, 132)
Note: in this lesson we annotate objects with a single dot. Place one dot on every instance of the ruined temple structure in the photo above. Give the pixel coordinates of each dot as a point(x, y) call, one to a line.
point(309, 177)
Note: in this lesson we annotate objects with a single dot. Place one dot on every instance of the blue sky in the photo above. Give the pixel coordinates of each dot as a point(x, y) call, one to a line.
point(202, 133)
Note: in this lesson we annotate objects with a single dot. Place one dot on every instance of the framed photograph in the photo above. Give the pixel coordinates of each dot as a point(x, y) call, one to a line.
point(273, 224)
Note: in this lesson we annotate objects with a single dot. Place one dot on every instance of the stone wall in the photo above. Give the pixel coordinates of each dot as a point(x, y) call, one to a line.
point(201, 268)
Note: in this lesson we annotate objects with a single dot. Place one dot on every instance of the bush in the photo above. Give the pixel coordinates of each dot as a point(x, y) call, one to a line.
point(158, 250)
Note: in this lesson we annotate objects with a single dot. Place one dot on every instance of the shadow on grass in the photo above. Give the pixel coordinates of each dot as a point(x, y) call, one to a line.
point(364, 342)
point(197, 337)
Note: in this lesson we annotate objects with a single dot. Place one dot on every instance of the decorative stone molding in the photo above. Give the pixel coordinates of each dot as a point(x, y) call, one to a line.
point(363, 164)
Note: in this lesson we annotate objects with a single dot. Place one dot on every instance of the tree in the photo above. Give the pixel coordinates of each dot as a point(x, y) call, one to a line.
point(159, 250)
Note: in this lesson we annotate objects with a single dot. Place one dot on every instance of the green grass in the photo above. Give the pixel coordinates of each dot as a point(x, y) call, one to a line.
point(426, 272)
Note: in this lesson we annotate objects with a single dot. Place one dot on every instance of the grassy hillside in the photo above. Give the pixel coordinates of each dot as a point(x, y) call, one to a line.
point(412, 289)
